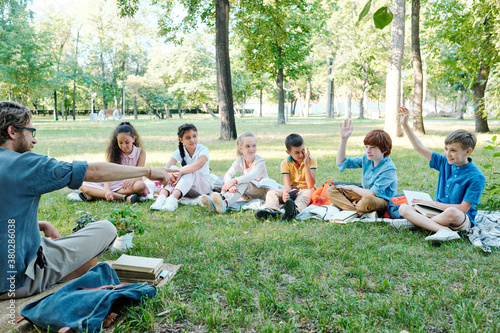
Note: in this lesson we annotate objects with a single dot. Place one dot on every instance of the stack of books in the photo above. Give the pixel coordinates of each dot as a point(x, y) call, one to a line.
point(132, 269)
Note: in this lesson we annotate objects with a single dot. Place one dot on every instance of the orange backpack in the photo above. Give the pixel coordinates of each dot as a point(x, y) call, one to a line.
point(319, 197)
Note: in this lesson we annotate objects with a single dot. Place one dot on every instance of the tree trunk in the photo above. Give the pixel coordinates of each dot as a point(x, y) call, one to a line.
point(135, 107)
point(479, 88)
point(260, 103)
point(167, 111)
point(393, 87)
point(418, 88)
point(361, 104)
point(74, 73)
point(179, 109)
point(63, 113)
point(299, 103)
point(281, 97)
point(461, 105)
point(207, 110)
point(224, 88)
point(103, 83)
point(349, 100)
point(308, 97)
point(55, 106)
point(330, 110)
point(435, 104)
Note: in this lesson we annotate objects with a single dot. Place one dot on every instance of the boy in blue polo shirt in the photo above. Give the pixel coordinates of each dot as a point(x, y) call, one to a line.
point(459, 188)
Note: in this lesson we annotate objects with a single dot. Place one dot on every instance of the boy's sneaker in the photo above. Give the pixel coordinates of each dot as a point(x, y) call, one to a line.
point(170, 204)
point(369, 217)
point(158, 204)
point(219, 203)
point(402, 224)
point(265, 213)
point(207, 202)
point(443, 235)
point(290, 210)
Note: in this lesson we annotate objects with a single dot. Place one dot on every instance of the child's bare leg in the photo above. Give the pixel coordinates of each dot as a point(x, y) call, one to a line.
point(137, 188)
point(177, 194)
point(411, 214)
point(95, 192)
point(450, 217)
point(164, 192)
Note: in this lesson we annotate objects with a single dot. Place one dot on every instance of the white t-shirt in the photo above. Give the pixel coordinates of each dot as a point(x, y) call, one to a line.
point(256, 171)
point(200, 150)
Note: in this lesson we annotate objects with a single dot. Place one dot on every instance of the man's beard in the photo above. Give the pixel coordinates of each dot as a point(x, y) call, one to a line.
point(22, 146)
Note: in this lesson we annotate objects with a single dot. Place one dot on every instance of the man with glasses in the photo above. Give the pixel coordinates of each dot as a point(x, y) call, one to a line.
point(30, 263)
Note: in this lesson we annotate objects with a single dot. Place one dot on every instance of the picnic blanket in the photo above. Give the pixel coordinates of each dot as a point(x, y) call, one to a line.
point(486, 233)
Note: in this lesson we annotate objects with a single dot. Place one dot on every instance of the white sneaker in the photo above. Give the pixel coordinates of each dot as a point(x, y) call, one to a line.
point(207, 202)
point(219, 203)
point(159, 203)
point(443, 235)
point(402, 224)
point(170, 204)
point(369, 217)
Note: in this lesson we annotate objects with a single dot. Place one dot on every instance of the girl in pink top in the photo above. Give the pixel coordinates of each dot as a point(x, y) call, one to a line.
point(123, 149)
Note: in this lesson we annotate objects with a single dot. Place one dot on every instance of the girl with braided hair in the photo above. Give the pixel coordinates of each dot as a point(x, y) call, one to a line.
point(192, 180)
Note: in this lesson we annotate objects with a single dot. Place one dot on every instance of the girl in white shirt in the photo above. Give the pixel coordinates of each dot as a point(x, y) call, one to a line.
point(246, 187)
point(192, 180)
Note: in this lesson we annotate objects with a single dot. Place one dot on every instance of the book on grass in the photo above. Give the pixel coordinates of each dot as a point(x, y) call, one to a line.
point(343, 216)
point(138, 264)
point(423, 208)
point(128, 277)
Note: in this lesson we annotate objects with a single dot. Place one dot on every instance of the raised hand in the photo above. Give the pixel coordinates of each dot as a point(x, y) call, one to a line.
point(404, 114)
point(346, 129)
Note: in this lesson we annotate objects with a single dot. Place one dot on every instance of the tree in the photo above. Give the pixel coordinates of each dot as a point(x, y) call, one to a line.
point(24, 60)
point(275, 37)
point(418, 122)
point(393, 82)
point(458, 37)
point(203, 10)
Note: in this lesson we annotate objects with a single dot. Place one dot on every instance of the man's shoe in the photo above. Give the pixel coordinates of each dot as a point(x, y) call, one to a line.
point(267, 213)
point(219, 203)
point(443, 235)
point(402, 224)
point(160, 201)
point(290, 210)
point(170, 204)
point(207, 202)
point(369, 217)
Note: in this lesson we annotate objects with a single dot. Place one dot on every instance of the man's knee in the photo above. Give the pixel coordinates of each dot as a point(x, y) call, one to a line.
point(330, 191)
point(104, 227)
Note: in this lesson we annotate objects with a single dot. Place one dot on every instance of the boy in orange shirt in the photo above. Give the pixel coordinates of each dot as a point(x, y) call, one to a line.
point(299, 175)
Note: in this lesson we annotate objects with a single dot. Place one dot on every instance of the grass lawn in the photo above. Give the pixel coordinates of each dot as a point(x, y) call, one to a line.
point(240, 274)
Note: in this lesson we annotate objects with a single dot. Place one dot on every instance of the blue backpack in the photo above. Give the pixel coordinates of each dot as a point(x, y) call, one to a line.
point(83, 304)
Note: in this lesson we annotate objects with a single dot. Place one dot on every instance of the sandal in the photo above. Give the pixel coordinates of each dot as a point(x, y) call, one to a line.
point(133, 198)
point(85, 197)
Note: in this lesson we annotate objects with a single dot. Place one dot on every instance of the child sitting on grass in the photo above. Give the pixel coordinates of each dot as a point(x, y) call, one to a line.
point(251, 166)
point(379, 181)
point(124, 148)
point(192, 180)
point(459, 188)
point(299, 174)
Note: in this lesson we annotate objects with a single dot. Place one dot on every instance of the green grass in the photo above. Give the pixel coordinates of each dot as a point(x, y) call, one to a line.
point(240, 274)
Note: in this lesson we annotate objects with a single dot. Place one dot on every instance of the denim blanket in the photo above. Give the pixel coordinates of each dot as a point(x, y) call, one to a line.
point(81, 309)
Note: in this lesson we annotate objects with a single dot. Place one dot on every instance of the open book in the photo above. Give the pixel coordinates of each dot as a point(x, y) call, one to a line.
point(336, 215)
point(424, 209)
point(267, 182)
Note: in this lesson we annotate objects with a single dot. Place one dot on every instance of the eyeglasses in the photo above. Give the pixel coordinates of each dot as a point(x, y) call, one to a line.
point(32, 129)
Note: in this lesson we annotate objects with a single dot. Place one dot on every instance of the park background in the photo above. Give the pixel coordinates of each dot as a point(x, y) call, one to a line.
point(240, 274)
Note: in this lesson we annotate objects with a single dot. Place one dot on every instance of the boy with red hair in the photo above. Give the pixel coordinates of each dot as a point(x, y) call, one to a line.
point(379, 183)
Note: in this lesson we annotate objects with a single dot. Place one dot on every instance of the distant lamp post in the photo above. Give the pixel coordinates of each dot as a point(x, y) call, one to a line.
point(122, 83)
point(93, 95)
